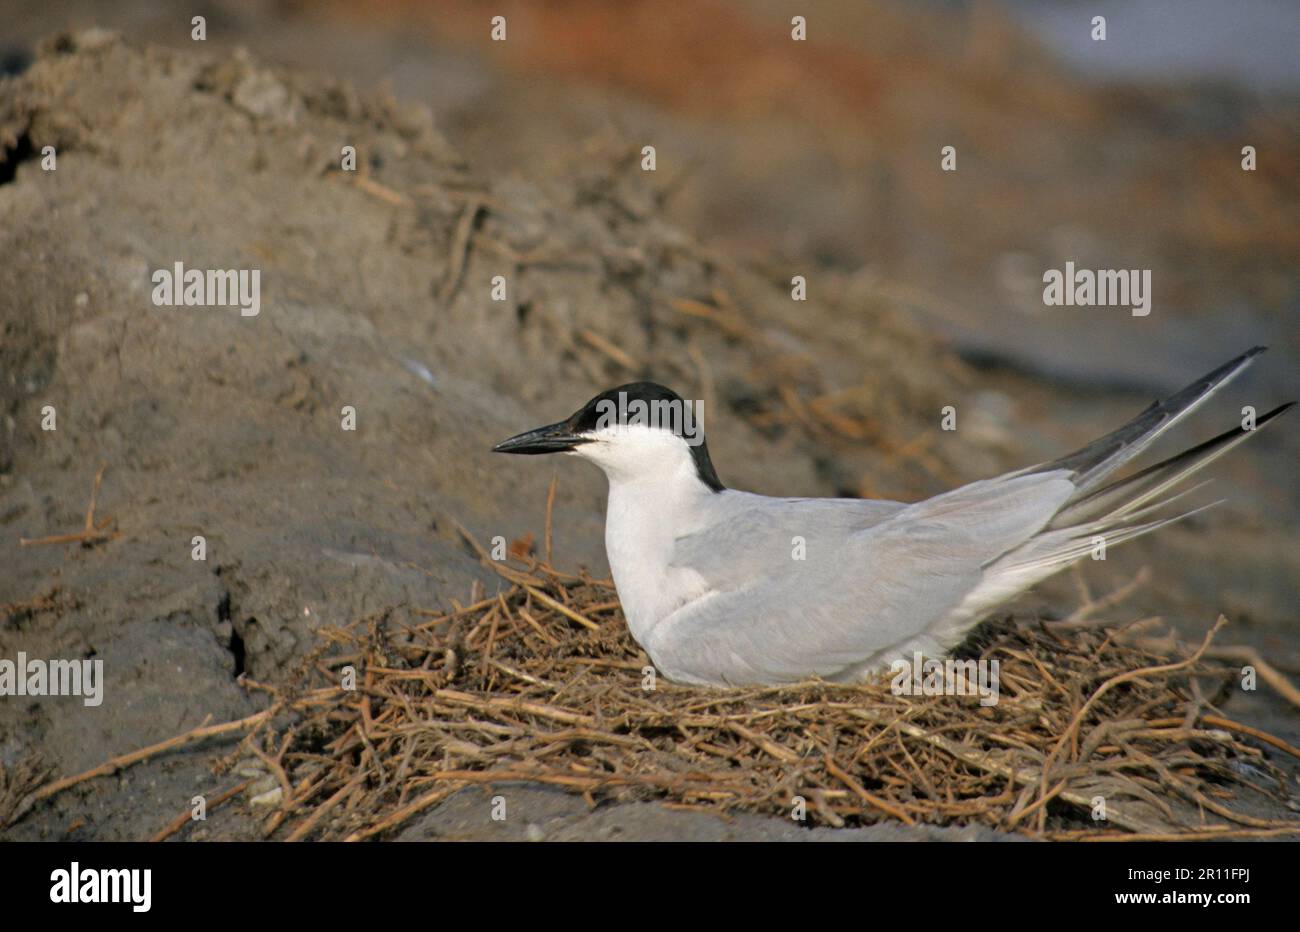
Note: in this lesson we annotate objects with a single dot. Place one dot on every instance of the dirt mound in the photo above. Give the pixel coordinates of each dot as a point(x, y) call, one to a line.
point(376, 294)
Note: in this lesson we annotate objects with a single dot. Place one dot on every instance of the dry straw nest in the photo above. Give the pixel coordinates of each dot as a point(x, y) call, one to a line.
point(543, 683)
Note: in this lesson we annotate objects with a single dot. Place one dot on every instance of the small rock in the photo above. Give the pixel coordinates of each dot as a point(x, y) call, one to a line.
point(267, 800)
point(250, 767)
point(261, 94)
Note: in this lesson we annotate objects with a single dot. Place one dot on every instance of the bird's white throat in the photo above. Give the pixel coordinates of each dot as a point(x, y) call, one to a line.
point(655, 496)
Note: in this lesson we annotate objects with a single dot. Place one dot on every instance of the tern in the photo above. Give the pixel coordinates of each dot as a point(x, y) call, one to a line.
point(729, 588)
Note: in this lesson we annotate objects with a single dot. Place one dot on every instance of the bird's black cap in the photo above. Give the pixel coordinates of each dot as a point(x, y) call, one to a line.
point(665, 406)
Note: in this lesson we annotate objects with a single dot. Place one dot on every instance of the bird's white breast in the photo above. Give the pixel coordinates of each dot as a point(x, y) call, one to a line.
point(643, 521)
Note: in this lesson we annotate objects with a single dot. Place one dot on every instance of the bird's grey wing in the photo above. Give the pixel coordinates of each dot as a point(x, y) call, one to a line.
point(752, 537)
point(767, 616)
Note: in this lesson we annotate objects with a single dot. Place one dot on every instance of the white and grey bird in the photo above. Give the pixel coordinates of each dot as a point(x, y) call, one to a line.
point(712, 590)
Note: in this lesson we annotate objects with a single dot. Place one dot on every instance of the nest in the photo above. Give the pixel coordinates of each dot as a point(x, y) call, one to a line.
point(543, 683)
point(1100, 731)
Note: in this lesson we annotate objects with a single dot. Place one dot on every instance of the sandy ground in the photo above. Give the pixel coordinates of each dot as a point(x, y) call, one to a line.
point(376, 295)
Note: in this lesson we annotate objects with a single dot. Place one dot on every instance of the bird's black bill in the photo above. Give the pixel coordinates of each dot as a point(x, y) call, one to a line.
point(554, 438)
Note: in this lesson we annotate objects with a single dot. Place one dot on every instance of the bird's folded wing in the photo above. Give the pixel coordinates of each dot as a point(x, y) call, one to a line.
point(769, 615)
point(754, 536)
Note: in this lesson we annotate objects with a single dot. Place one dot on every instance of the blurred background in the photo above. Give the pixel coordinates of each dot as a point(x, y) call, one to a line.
point(1122, 153)
point(775, 158)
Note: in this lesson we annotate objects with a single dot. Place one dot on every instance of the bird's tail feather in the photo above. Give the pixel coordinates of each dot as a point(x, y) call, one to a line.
point(1114, 513)
point(1093, 463)
point(1127, 495)
point(1056, 550)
